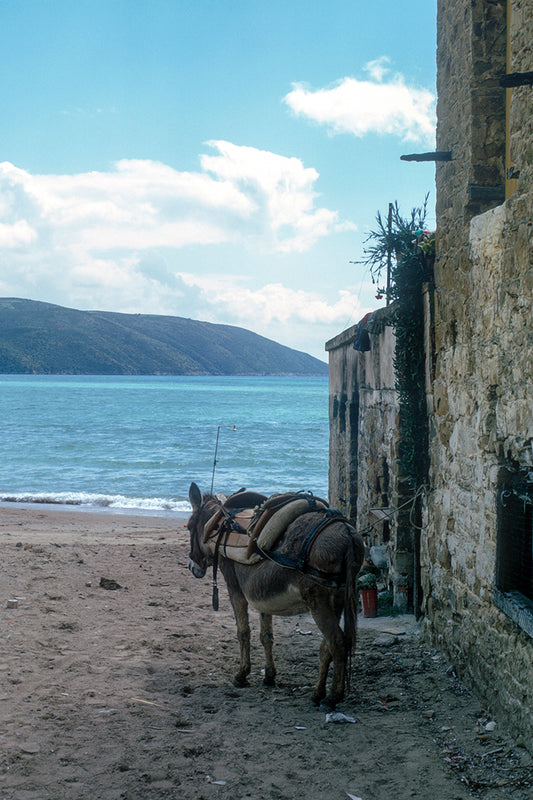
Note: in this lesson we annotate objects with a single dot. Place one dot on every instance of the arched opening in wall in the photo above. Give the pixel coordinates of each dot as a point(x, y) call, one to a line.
point(514, 561)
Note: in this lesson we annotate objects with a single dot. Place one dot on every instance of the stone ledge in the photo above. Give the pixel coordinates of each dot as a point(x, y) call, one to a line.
point(516, 607)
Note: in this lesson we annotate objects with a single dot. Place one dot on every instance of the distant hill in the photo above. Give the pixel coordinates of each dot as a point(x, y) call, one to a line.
point(45, 339)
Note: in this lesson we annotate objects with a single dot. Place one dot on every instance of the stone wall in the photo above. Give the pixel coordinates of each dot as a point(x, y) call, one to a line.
point(479, 379)
point(343, 422)
point(482, 422)
point(471, 56)
point(363, 478)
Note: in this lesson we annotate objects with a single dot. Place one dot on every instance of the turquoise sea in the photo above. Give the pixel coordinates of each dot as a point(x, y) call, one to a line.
point(136, 443)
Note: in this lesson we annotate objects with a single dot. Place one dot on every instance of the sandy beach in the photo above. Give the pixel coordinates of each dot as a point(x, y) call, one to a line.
point(126, 692)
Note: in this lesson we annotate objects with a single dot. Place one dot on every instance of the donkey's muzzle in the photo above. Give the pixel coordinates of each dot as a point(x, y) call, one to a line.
point(196, 570)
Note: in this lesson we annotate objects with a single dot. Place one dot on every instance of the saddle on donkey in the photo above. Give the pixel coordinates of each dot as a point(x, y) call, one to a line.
point(249, 524)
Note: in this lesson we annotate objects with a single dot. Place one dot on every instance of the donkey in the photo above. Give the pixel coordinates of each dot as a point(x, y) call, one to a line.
point(326, 590)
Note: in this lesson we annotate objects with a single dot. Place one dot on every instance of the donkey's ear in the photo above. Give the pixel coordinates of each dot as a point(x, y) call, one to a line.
point(195, 496)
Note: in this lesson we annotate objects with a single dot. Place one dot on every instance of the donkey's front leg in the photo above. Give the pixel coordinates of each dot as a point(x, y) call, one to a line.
point(267, 640)
point(240, 609)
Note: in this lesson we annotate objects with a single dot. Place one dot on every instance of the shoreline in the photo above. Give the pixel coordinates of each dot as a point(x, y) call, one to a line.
point(108, 504)
point(33, 522)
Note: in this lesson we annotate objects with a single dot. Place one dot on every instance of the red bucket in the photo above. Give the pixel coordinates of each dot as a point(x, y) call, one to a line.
point(369, 601)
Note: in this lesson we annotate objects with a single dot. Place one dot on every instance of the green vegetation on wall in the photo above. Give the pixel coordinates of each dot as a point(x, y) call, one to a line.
point(403, 248)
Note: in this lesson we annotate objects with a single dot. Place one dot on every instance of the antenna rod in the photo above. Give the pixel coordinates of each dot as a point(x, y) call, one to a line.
point(233, 427)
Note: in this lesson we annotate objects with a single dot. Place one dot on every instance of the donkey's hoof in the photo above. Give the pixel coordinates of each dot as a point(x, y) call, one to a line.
point(269, 680)
point(240, 682)
point(318, 698)
point(328, 704)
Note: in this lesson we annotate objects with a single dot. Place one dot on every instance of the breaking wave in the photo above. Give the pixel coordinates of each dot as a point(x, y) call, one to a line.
point(92, 502)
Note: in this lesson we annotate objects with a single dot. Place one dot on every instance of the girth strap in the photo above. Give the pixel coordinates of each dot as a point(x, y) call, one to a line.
point(333, 579)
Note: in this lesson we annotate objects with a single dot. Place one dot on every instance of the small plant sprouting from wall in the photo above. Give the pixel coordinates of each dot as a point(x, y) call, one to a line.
point(403, 248)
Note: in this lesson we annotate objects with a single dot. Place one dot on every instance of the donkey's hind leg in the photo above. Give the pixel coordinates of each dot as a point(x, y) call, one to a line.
point(240, 609)
point(267, 640)
point(331, 649)
point(325, 660)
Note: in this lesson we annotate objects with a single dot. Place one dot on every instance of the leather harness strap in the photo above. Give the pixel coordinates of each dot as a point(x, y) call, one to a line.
point(331, 515)
point(301, 564)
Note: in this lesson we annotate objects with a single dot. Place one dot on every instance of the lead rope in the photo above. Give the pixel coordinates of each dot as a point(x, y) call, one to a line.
point(220, 533)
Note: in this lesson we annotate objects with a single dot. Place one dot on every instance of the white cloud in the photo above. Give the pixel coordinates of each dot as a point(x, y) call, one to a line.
point(273, 303)
point(17, 234)
point(378, 68)
point(360, 107)
point(281, 188)
point(119, 240)
point(242, 194)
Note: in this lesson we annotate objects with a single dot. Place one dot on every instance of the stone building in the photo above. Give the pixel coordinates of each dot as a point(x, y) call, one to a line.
point(477, 549)
point(474, 551)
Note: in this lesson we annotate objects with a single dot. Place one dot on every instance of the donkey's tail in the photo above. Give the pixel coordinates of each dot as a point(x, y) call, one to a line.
point(353, 560)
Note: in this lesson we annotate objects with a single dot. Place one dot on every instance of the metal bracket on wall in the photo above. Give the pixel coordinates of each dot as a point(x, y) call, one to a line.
point(439, 155)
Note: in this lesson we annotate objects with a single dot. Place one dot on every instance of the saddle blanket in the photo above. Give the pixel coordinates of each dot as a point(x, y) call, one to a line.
point(241, 531)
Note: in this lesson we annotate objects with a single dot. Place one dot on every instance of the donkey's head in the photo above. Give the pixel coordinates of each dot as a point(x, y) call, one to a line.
point(198, 556)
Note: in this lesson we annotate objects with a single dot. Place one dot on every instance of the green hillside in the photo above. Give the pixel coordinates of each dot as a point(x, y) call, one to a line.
point(41, 338)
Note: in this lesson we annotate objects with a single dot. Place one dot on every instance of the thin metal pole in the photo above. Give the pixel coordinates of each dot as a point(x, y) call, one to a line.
point(233, 427)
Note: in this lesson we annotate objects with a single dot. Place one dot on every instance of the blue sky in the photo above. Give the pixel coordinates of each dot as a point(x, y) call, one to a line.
point(215, 159)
